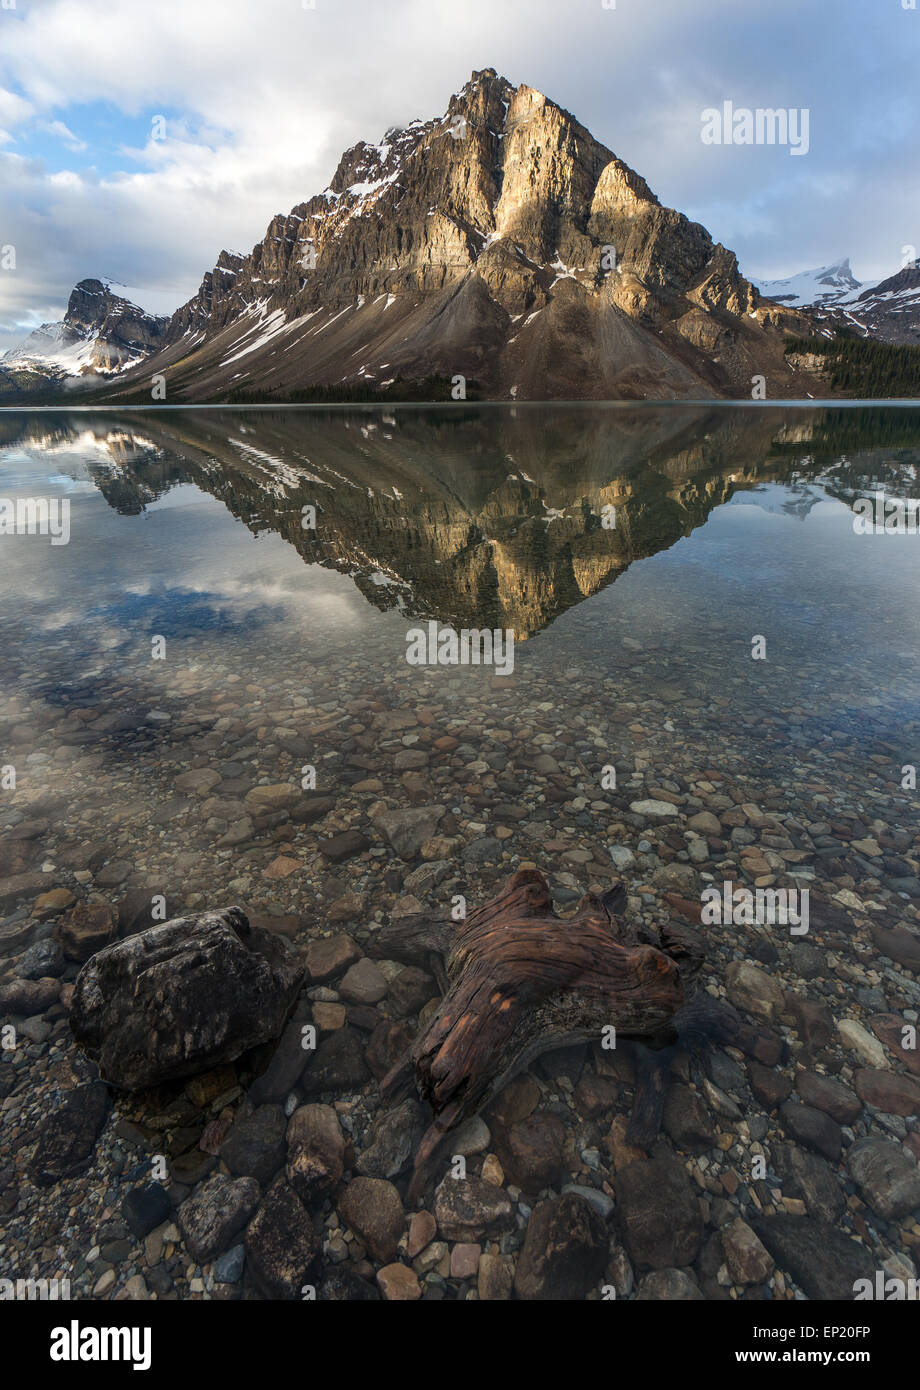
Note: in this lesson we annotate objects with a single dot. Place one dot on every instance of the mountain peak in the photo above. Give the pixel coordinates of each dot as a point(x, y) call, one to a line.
point(101, 333)
point(499, 242)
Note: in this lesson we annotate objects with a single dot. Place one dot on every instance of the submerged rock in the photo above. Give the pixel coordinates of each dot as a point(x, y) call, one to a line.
point(281, 1243)
point(68, 1135)
point(215, 1212)
point(565, 1251)
point(824, 1261)
point(182, 998)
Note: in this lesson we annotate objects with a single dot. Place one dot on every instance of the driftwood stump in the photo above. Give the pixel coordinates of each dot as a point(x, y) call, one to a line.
point(520, 981)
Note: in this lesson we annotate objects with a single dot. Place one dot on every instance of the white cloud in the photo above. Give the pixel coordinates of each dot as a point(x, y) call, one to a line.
point(63, 133)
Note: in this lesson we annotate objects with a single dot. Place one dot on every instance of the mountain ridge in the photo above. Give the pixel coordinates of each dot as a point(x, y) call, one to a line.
point(887, 310)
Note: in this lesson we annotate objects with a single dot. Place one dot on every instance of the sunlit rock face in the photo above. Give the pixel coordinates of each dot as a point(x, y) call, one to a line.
point(499, 242)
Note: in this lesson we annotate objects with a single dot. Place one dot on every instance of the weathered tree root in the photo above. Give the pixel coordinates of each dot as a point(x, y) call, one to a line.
point(520, 981)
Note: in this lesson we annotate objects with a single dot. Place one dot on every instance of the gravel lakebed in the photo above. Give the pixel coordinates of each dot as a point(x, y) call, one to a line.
point(786, 1167)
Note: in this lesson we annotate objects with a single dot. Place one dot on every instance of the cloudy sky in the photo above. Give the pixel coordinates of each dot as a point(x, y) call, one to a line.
point(258, 98)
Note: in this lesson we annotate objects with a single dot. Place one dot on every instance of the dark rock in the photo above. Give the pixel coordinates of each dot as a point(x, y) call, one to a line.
point(281, 1244)
point(830, 1095)
point(658, 1213)
point(889, 1029)
point(29, 996)
point(410, 991)
point(808, 961)
point(568, 1062)
point(17, 886)
point(135, 911)
point(214, 1213)
point(811, 1127)
point(255, 1145)
point(182, 998)
point(482, 851)
point(887, 1091)
point(228, 1267)
point(392, 1142)
point(669, 1285)
point(44, 960)
point(345, 845)
point(337, 1065)
point(565, 1251)
point(408, 830)
point(67, 1137)
point(387, 1044)
point(312, 808)
point(762, 1044)
point(316, 1151)
point(811, 1020)
point(899, 945)
point(532, 1151)
point(595, 1096)
point(344, 1286)
point(770, 1086)
point(687, 1120)
point(145, 1208)
point(807, 1177)
point(87, 929)
point(284, 1070)
point(470, 1211)
point(823, 1261)
point(747, 1260)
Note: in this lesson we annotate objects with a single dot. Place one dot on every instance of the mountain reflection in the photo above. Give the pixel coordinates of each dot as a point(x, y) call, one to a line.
point(482, 517)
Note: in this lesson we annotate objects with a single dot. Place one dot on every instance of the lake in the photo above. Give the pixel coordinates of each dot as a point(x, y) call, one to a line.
point(709, 676)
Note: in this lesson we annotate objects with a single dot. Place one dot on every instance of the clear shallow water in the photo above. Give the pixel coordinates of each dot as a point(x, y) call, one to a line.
point(286, 646)
point(726, 525)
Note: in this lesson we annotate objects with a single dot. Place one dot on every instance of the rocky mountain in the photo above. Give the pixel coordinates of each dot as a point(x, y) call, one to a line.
point(499, 242)
point(888, 309)
point(100, 335)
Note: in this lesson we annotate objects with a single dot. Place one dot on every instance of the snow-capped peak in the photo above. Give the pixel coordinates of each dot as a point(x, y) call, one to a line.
point(829, 284)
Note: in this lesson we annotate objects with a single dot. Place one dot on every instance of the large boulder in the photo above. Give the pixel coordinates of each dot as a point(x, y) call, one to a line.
point(182, 997)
